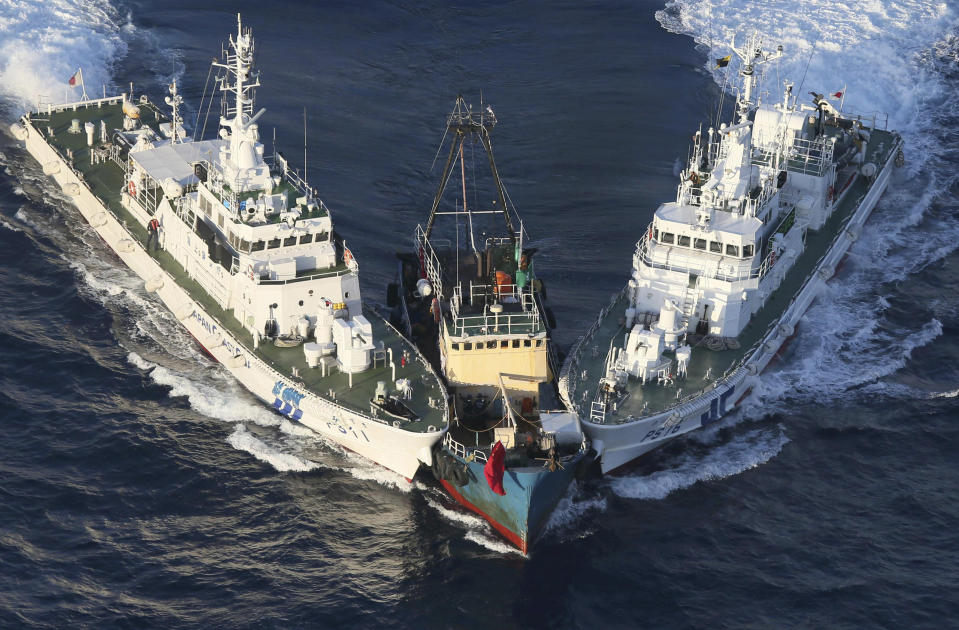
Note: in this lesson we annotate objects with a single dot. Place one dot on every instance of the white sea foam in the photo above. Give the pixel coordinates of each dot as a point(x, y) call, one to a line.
point(493, 544)
point(241, 439)
point(220, 399)
point(6, 224)
point(866, 46)
point(477, 530)
point(744, 452)
point(950, 394)
point(24, 218)
point(42, 43)
point(887, 57)
point(365, 470)
point(573, 516)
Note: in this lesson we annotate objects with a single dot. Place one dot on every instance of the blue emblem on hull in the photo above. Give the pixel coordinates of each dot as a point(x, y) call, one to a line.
point(717, 407)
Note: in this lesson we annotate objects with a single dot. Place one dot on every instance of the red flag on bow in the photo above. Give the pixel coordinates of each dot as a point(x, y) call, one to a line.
point(75, 78)
point(495, 467)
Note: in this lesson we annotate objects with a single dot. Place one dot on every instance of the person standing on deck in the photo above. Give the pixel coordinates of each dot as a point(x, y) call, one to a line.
point(153, 230)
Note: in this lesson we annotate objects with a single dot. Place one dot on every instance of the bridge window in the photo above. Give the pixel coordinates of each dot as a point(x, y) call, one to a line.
point(273, 243)
point(504, 344)
point(257, 246)
point(490, 345)
point(668, 238)
point(516, 343)
point(456, 346)
point(715, 247)
point(305, 239)
point(655, 235)
point(289, 240)
point(748, 251)
point(244, 245)
point(467, 346)
point(699, 243)
point(527, 343)
point(732, 250)
point(683, 240)
point(539, 343)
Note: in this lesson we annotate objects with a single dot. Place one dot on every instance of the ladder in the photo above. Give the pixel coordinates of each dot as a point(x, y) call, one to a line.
point(689, 306)
point(598, 411)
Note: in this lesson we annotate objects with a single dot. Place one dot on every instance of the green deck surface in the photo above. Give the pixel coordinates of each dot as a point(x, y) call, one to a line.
point(106, 180)
point(593, 352)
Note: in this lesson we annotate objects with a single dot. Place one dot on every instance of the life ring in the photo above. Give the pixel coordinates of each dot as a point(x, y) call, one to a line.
point(435, 307)
point(249, 270)
point(347, 256)
point(132, 189)
point(830, 193)
point(694, 179)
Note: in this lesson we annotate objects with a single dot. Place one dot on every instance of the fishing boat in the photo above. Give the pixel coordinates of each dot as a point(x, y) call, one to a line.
point(243, 252)
point(765, 210)
point(470, 298)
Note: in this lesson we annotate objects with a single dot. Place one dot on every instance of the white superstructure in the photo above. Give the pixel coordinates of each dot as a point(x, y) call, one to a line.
point(758, 198)
point(247, 259)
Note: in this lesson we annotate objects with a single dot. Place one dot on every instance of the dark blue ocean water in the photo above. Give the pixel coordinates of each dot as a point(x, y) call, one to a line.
point(141, 487)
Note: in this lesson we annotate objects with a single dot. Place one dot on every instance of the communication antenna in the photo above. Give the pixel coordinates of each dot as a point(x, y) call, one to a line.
point(304, 144)
point(174, 101)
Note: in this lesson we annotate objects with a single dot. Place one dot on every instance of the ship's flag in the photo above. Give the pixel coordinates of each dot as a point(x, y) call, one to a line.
point(722, 63)
point(75, 78)
point(837, 95)
point(495, 467)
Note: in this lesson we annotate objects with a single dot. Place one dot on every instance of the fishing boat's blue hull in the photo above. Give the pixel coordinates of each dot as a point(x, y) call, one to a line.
point(531, 495)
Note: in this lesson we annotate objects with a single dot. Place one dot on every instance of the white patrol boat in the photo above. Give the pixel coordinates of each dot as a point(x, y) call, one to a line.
point(247, 260)
point(763, 214)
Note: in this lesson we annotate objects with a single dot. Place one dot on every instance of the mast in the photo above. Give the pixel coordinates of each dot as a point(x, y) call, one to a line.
point(464, 123)
point(751, 54)
point(174, 101)
point(243, 164)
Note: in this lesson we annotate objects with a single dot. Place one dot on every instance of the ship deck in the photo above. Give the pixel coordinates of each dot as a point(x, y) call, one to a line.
point(106, 180)
point(478, 291)
point(654, 397)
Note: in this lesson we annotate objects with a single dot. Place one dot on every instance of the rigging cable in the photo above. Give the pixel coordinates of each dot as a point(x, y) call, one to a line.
point(811, 53)
point(196, 120)
point(209, 106)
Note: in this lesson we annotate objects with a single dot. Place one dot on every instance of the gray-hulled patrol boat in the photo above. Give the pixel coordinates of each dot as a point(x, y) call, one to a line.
point(764, 212)
point(472, 301)
point(248, 260)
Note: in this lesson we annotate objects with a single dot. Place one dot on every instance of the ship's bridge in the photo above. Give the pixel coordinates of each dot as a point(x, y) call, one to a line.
point(724, 247)
point(278, 232)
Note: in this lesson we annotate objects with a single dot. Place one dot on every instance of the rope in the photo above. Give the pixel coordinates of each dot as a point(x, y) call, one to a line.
point(208, 108)
point(196, 120)
point(468, 428)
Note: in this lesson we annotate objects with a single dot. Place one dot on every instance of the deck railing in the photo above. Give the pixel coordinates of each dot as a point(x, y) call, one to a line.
point(461, 450)
point(704, 270)
point(496, 324)
point(428, 259)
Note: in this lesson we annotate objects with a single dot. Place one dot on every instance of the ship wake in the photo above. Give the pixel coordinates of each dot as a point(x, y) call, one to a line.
point(894, 58)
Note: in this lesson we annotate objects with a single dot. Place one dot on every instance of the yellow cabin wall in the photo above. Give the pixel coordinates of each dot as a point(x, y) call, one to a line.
point(483, 366)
